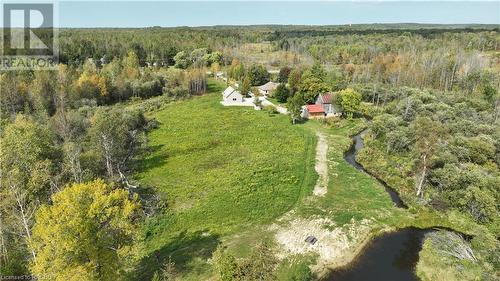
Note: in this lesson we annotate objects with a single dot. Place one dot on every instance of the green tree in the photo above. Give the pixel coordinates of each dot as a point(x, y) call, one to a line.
point(479, 203)
point(294, 79)
point(245, 86)
point(116, 134)
point(91, 84)
point(215, 57)
point(43, 91)
point(490, 93)
point(199, 57)
point(130, 66)
point(294, 107)
point(311, 87)
point(349, 100)
point(284, 74)
point(181, 60)
point(27, 178)
point(236, 70)
point(398, 140)
point(156, 277)
point(258, 75)
point(318, 71)
point(86, 233)
point(282, 93)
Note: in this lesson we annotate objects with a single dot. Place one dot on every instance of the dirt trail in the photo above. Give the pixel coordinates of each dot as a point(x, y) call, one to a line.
point(321, 165)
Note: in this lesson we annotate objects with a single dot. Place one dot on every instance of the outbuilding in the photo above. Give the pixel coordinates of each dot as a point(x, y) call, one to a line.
point(267, 88)
point(313, 111)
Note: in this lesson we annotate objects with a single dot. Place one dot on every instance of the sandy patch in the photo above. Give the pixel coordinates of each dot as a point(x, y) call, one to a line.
point(336, 246)
point(321, 166)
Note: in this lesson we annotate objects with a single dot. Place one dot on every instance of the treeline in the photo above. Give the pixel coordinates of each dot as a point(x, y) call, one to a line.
point(447, 61)
point(151, 45)
point(44, 92)
point(385, 29)
point(439, 58)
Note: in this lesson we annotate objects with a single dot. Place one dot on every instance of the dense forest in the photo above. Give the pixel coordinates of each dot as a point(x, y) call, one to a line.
point(70, 138)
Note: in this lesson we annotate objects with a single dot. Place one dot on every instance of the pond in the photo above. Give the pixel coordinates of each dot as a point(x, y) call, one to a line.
point(389, 257)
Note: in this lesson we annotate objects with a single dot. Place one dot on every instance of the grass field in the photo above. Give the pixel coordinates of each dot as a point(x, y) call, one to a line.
point(228, 174)
point(222, 169)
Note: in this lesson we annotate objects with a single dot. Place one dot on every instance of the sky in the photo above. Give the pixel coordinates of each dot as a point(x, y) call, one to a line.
point(208, 13)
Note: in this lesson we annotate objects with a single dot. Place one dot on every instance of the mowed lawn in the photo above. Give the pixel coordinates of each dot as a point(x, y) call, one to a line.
point(220, 169)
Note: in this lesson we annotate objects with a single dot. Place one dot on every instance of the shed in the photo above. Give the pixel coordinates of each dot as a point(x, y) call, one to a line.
point(313, 111)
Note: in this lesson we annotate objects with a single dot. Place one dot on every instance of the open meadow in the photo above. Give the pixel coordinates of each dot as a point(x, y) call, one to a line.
point(222, 170)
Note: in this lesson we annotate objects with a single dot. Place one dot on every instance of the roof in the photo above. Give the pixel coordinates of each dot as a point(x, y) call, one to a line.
point(269, 86)
point(328, 97)
point(315, 108)
point(228, 91)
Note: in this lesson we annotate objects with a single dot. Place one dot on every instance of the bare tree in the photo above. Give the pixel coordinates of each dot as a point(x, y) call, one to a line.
point(24, 211)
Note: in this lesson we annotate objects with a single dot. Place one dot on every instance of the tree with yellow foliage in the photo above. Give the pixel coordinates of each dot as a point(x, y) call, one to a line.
point(87, 233)
point(91, 84)
point(131, 66)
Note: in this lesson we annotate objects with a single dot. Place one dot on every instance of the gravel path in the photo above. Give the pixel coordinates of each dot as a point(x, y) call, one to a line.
point(321, 165)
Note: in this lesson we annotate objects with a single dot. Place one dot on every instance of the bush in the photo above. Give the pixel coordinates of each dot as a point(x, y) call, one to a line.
point(398, 140)
point(294, 271)
point(271, 110)
point(178, 92)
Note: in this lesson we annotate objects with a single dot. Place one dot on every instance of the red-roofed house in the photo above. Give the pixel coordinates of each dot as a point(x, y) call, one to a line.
point(327, 101)
point(312, 111)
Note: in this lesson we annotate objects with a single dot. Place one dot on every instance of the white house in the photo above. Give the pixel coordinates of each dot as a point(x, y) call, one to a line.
point(267, 88)
point(232, 96)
